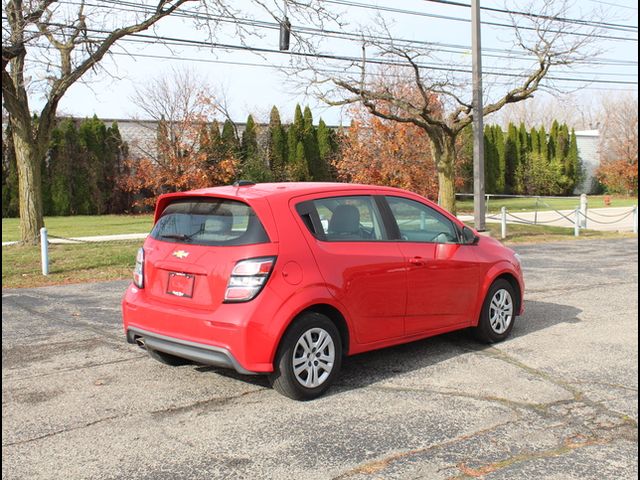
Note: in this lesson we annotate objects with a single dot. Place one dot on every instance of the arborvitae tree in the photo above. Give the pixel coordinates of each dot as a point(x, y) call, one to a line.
point(295, 134)
point(249, 144)
point(490, 160)
point(512, 159)
point(553, 140)
point(464, 160)
point(572, 162)
point(562, 145)
point(525, 140)
point(117, 201)
point(92, 136)
point(535, 141)
point(311, 150)
point(298, 171)
point(277, 146)
point(253, 165)
point(10, 206)
point(326, 148)
point(229, 139)
point(212, 145)
point(61, 158)
point(544, 144)
point(498, 136)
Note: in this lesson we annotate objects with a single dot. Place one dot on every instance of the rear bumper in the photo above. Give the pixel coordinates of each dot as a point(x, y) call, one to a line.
point(197, 352)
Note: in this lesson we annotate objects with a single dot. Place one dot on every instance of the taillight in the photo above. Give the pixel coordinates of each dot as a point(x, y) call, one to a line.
point(138, 271)
point(247, 278)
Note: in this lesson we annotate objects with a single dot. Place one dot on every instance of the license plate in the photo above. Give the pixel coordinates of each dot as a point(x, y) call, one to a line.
point(180, 284)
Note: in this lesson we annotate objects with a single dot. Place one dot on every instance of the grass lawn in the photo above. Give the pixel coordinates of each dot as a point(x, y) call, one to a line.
point(78, 263)
point(95, 262)
point(494, 205)
point(83, 225)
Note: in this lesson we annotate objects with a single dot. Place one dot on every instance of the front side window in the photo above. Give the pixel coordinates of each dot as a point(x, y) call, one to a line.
point(343, 219)
point(209, 221)
point(419, 223)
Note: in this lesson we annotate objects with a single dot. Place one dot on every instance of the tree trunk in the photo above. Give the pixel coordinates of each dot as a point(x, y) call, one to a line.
point(29, 186)
point(444, 154)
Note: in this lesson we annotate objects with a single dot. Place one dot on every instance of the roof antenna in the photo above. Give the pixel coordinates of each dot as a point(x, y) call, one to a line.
point(243, 183)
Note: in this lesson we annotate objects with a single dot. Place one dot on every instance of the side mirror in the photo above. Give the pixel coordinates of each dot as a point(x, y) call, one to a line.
point(469, 237)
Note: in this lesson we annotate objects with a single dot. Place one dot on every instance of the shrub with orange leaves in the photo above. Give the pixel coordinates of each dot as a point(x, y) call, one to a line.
point(382, 152)
point(185, 161)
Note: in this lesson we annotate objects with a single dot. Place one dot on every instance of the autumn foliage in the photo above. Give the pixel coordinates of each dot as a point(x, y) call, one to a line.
point(382, 152)
point(190, 154)
point(618, 170)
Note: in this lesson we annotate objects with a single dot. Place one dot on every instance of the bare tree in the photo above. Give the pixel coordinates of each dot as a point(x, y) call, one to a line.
point(176, 100)
point(578, 113)
point(48, 45)
point(619, 128)
point(398, 84)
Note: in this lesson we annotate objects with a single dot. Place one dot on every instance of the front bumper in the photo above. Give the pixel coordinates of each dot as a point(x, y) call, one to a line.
point(197, 352)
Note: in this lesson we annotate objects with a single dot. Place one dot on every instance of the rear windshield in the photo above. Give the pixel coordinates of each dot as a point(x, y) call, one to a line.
point(210, 221)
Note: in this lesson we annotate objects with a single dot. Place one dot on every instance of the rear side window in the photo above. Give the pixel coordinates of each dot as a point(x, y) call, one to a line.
point(343, 219)
point(209, 221)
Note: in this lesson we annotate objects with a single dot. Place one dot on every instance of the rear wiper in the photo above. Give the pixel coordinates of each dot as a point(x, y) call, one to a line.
point(177, 236)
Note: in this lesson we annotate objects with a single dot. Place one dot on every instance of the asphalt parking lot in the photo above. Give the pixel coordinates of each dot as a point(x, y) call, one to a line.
point(559, 400)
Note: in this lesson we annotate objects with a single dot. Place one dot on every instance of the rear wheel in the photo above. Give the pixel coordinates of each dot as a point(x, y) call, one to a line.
point(498, 313)
point(309, 358)
point(167, 358)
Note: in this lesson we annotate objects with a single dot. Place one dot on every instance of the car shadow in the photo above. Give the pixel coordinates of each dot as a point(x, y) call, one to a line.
point(376, 366)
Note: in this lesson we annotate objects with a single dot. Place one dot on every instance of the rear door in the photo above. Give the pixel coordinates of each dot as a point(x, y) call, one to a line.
point(442, 275)
point(365, 272)
point(195, 244)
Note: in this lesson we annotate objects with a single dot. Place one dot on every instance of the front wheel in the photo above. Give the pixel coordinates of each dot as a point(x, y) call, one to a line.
point(309, 358)
point(498, 313)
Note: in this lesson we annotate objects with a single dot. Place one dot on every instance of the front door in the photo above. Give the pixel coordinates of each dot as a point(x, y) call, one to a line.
point(442, 274)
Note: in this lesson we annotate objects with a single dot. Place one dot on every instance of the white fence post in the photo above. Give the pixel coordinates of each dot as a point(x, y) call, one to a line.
point(576, 223)
point(44, 251)
point(635, 219)
point(503, 222)
point(583, 210)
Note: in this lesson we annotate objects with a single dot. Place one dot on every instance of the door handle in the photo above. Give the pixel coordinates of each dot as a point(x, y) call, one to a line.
point(417, 261)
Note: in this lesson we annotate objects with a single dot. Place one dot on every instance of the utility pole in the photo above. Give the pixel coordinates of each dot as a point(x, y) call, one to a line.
point(478, 128)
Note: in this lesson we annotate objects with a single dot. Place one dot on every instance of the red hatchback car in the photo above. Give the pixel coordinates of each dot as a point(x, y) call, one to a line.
point(286, 279)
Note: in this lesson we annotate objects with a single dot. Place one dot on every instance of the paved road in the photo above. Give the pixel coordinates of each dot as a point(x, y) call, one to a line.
point(559, 400)
point(615, 219)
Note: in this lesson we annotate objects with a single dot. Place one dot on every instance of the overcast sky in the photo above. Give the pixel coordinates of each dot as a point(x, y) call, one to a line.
point(254, 89)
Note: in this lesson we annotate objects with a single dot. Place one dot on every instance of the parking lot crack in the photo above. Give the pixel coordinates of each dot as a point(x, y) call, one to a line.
point(59, 432)
point(378, 465)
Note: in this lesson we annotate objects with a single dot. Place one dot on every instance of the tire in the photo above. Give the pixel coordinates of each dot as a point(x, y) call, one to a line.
point(167, 358)
point(300, 371)
point(498, 313)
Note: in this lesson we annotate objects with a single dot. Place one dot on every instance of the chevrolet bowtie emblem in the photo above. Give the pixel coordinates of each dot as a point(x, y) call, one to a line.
point(180, 254)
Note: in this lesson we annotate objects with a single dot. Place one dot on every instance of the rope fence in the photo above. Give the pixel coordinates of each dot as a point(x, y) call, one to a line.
point(578, 219)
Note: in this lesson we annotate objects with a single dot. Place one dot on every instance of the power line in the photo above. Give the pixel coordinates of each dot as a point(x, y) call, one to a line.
point(344, 58)
point(614, 5)
point(466, 20)
point(350, 36)
point(285, 67)
point(605, 25)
